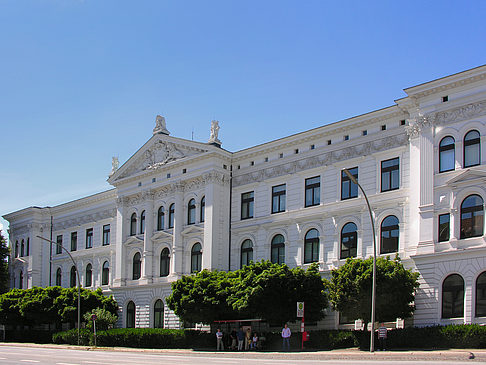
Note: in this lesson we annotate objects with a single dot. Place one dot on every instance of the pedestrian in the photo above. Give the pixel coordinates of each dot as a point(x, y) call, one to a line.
point(241, 338)
point(286, 337)
point(219, 340)
point(234, 340)
point(382, 333)
point(247, 339)
point(254, 341)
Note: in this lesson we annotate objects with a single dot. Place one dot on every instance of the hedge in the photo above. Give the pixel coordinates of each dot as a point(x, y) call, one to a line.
point(438, 337)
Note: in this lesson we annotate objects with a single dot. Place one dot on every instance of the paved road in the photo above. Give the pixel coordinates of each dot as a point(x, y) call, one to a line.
point(11, 354)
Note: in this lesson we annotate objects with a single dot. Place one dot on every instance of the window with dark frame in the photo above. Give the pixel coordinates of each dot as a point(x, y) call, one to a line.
point(389, 235)
point(348, 188)
point(453, 297)
point(133, 225)
point(88, 280)
point(390, 174)
point(89, 238)
point(480, 310)
point(312, 191)
point(278, 198)
point(246, 256)
point(447, 154)
point(131, 315)
point(58, 244)
point(142, 222)
point(159, 314)
point(444, 227)
point(247, 200)
point(72, 277)
point(59, 277)
point(136, 266)
point(196, 258)
point(106, 234)
point(349, 240)
point(74, 241)
point(171, 215)
point(164, 262)
point(472, 149)
point(105, 273)
point(472, 217)
point(311, 246)
point(191, 212)
point(202, 212)
point(277, 254)
point(160, 219)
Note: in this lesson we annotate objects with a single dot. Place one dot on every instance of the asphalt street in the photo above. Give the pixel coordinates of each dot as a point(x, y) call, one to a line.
point(64, 355)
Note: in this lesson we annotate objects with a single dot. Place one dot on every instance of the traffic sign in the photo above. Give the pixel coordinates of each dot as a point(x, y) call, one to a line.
point(300, 309)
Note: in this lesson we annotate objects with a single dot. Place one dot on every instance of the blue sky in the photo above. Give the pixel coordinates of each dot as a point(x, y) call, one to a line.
point(82, 81)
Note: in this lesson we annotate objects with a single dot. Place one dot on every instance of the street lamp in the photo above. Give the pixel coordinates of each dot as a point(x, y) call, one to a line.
point(77, 274)
point(373, 287)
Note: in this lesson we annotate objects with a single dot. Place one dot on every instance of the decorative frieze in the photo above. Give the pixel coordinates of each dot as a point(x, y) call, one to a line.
point(322, 160)
point(460, 113)
point(84, 219)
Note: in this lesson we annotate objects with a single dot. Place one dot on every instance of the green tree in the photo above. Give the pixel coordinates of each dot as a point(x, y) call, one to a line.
point(4, 277)
point(260, 290)
point(202, 298)
point(350, 289)
point(104, 319)
point(51, 305)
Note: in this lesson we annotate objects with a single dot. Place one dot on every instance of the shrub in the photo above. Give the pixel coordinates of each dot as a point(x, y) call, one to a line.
point(71, 337)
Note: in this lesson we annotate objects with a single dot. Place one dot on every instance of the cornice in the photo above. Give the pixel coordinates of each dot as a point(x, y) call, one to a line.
point(84, 219)
point(328, 158)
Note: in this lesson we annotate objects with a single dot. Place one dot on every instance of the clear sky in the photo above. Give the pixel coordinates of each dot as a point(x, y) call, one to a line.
point(82, 81)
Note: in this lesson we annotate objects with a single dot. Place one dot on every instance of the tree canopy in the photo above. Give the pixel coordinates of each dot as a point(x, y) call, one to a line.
point(51, 305)
point(350, 289)
point(259, 290)
point(4, 277)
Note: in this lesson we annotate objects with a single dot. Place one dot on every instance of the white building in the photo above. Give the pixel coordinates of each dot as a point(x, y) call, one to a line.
point(179, 206)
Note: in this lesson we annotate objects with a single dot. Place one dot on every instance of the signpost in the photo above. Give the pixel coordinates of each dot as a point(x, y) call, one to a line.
point(300, 314)
point(93, 317)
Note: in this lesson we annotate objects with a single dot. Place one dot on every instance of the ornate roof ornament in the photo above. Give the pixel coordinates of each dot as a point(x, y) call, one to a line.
point(213, 137)
point(160, 127)
point(114, 165)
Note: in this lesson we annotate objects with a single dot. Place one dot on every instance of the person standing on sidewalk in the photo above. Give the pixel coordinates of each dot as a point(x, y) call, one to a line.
point(241, 338)
point(382, 333)
point(286, 337)
point(219, 340)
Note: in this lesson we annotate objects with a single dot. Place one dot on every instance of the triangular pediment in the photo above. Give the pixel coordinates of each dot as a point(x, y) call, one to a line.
point(161, 150)
point(466, 177)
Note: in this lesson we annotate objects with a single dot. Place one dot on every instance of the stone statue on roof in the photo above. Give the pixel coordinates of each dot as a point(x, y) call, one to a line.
point(160, 127)
point(213, 137)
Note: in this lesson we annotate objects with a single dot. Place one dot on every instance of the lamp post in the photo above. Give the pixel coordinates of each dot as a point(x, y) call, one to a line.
point(77, 274)
point(373, 287)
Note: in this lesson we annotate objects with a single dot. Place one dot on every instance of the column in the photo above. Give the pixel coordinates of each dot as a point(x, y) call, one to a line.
point(120, 264)
point(178, 242)
point(147, 259)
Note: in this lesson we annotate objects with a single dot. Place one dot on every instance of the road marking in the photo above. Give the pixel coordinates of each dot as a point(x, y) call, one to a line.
point(65, 363)
point(30, 360)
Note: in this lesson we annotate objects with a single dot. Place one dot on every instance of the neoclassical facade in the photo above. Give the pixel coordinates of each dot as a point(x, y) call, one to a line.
point(179, 206)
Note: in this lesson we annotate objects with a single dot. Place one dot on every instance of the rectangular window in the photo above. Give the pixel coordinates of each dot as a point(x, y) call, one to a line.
point(278, 198)
point(106, 234)
point(247, 205)
point(89, 238)
point(74, 241)
point(312, 191)
point(59, 244)
point(348, 188)
point(390, 174)
point(444, 227)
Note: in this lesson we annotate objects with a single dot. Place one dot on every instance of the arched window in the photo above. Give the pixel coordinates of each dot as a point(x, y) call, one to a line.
point(16, 248)
point(164, 262)
point(447, 154)
point(137, 266)
point(311, 246)
point(105, 273)
point(472, 149)
point(191, 212)
point(246, 253)
point(277, 253)
point(142, 222)
point(22, 247)
point(72, 277)
point(453, 296)
point(196, 257)
point(349, 240)
point(27, 248)
point(131, 315)
point(481, 295)
point(21, 280)
point(472, 217)
point(58, 277)
point(390, 233)
point(203, 209)
point(171, 215)
point(89, 276)
point(159, 314)
point(133, 225)
point(160, 219)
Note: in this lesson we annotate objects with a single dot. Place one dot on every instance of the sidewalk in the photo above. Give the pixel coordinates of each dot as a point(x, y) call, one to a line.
point(470, 355)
